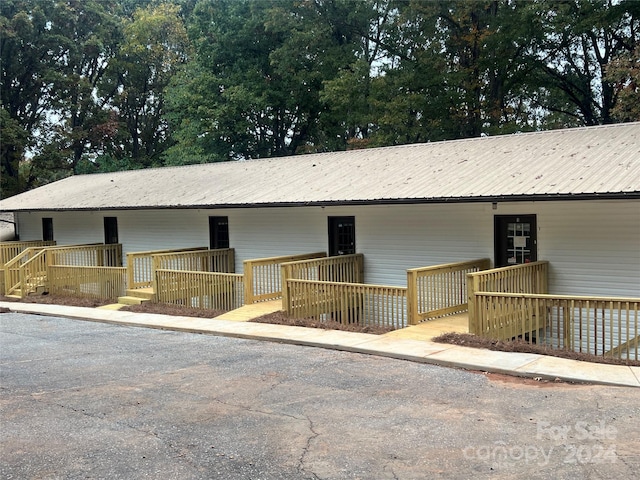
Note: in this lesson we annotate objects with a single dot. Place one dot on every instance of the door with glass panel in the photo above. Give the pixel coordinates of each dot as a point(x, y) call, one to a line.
point(515, 240)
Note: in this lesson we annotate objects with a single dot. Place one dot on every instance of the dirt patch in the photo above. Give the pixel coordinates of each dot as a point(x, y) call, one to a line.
point(539, 382)
point(279, 318)
point(468, 340)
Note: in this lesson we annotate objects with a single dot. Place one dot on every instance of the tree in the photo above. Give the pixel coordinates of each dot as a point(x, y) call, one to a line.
point(29, 52)
point(576, 41)
point(349, 98)
point(154, 44)
point(53, 56)
point(458, 70)
point(624, 75)
point(264, 65)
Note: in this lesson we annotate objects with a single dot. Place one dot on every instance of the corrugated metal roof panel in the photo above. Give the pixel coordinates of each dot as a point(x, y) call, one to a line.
point(602, 160)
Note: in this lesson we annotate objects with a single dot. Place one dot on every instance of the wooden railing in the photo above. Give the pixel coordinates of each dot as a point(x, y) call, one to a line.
point(347, 302)
point(107, 283)
point(219, 260)
point(525, 278)
point(440, 289)
point(9, 250)
point(341, 268)
point(262, 276)
point(140, 266)
point(15, 274)
point(595, 325)
point(91, 255)
point(205, 290)
point(27, 272)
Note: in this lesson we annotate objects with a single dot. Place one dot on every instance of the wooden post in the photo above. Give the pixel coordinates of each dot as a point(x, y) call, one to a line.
point(100, 256)
point(360, 268)
point(248, 282)
point(471, 304)
point(129, 270)
point(232, 261)
point(155, 266)
point(285, 273)
point(412, 297)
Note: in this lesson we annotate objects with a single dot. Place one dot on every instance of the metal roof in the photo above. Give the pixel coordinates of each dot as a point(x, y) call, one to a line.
point(589, 162)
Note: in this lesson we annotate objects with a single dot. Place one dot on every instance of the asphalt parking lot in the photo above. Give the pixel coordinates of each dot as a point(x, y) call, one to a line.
point(89, 400)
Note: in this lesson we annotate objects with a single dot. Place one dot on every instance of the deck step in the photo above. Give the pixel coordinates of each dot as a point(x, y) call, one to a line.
point(146, 293)
point(128, 300)
point(15, 295)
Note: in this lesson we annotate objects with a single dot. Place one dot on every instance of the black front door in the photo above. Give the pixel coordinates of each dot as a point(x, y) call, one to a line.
point(342, 236)
point(47, 229)
point(218, 232)
point(110, 230)
point(515, 239)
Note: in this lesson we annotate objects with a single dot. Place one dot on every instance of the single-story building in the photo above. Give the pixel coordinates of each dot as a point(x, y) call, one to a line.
point(570, 197)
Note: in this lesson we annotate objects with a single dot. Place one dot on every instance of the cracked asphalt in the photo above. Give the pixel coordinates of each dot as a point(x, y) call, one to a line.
point(84, 400)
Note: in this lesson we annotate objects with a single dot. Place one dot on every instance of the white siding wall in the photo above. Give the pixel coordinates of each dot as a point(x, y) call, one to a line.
point(68, 227)
point(593, 247)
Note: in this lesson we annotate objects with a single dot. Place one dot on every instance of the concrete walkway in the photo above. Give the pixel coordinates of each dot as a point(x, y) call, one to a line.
point(234, 324)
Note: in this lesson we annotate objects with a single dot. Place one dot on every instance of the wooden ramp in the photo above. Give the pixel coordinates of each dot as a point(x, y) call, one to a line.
point(255, 310)
point(458, 323)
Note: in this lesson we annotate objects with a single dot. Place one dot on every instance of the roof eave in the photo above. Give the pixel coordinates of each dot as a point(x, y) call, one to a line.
point(382, 201)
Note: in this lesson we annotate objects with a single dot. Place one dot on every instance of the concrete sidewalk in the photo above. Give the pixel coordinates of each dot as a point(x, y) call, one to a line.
point(519, 364)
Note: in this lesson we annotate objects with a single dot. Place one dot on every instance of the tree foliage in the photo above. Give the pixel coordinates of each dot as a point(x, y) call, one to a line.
point(103, 85)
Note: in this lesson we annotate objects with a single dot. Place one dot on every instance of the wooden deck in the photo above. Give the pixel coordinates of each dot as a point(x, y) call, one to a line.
point(254, 310)
point(458, 323)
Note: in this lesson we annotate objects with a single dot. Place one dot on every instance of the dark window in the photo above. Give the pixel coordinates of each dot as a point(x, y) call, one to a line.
point(47, 229)
point(342, 236)
point(515, 239)
point(110, 230)
point(218, 232)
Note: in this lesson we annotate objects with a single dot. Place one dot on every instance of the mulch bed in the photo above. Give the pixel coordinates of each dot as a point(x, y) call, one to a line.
point(279, 318)
point(59, 300)
point(175, 310)
point(469, 340)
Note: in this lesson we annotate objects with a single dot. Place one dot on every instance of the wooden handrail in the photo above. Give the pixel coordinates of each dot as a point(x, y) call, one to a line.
point(439, 290)
point(22, 272)
point(13, 273)
point(204, 290)
point(341, 268)
point(106, 283)
point(365, 304)
point(9, 250)
point(526, 278)
point(605, 326)
point(140, 265)
point(220, 260)
point(262, 276)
